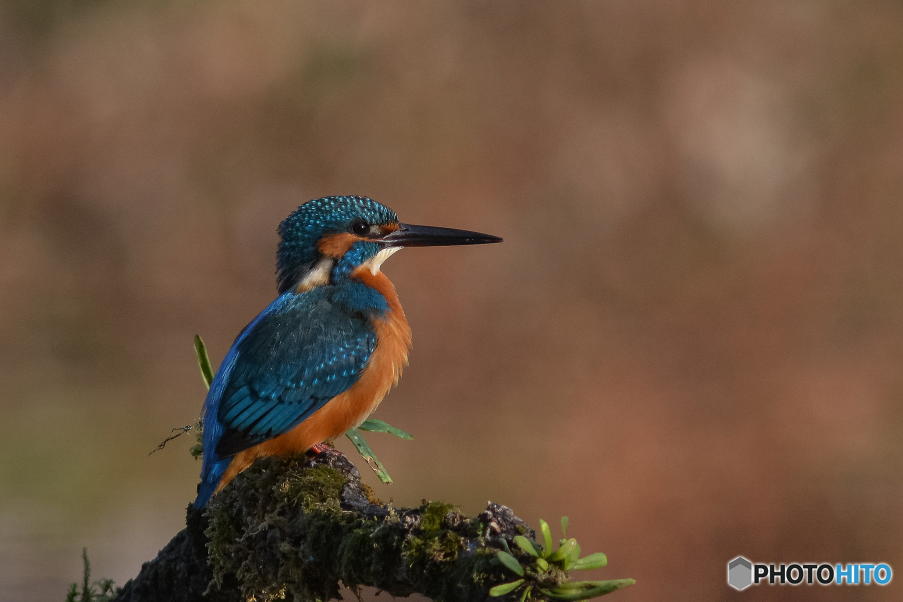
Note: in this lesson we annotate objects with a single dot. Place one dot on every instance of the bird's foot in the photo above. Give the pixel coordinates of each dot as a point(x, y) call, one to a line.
point(318, 448)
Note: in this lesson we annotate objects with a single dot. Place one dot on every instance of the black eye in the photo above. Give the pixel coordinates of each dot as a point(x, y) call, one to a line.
point(360, 227)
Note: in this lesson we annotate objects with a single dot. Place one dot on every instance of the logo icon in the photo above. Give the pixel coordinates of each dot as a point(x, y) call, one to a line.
point(743, 573)
point(739, 573)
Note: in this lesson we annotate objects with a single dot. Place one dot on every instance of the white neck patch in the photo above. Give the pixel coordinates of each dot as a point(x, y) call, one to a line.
point(321, 273)
point(318, 276)
point(377, 260)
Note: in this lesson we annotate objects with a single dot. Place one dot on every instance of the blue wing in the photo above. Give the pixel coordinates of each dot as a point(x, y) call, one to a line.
point(295, 356)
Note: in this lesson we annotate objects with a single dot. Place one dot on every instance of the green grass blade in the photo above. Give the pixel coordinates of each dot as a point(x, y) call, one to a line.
point(379, 426)
point(505, 588)
point(203, 360)
point(565, 551)
point(573, 555)
point(360, 444)
point(510, 563)
point(584, 590)
point(546, 538)
point(593, 561)
point(526, 545)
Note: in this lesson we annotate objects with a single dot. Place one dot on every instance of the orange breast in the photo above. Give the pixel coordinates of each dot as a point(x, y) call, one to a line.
point(348, 409)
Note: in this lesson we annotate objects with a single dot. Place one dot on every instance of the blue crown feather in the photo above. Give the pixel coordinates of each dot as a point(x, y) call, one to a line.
point(301, 230)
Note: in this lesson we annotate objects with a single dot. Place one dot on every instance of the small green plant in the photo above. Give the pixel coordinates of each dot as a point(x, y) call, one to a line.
point(101, 590)
point(353, 435)
point(543, 570)
point(360, 444)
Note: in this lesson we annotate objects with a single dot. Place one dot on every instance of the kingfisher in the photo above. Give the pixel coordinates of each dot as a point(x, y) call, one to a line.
point(322, 356)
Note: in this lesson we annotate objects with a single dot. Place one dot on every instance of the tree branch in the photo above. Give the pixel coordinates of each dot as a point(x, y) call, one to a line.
point(293, 528)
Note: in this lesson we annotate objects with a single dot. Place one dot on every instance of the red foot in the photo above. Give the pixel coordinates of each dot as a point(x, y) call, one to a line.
point(318, 448)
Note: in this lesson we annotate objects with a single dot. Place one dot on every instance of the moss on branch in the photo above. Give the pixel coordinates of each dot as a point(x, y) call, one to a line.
point(295, 528)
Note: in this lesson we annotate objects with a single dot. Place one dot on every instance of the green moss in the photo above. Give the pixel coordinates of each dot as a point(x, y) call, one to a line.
point(433, 547)
point(483, 568)
point(433, 514)
point(278, 496)
point(371, 495)
point(358, 561)
point(312, 488)
point(279, 531)
point(221, 534)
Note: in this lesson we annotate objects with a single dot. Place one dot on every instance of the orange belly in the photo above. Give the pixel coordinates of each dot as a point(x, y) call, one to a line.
point(348, 409)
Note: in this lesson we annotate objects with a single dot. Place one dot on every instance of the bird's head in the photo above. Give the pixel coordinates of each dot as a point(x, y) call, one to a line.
point(326, 239)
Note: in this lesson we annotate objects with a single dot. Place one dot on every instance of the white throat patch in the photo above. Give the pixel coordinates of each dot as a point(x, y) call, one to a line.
point(318, 276)
point(377, 260)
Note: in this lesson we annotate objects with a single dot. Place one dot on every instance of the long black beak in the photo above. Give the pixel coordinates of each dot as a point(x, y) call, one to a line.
point(409, 235)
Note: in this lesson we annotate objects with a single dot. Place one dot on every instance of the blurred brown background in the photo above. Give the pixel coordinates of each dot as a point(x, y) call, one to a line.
point(689, 342)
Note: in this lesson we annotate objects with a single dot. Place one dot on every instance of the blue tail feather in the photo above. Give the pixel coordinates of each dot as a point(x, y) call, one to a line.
point(207, 486)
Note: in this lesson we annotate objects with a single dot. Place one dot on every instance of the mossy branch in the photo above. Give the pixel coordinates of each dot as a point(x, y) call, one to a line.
point(295, 528)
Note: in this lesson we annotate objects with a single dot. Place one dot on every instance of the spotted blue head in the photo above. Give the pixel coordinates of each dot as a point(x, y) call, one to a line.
point(325, 240)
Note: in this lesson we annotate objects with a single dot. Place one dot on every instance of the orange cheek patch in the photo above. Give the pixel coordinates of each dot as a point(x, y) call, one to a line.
point(336, 245)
